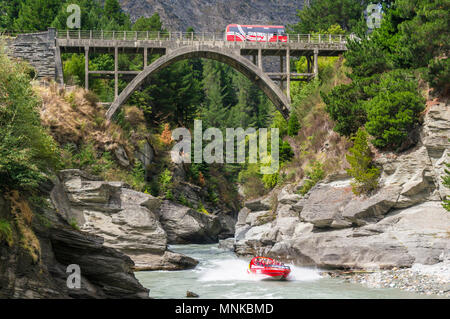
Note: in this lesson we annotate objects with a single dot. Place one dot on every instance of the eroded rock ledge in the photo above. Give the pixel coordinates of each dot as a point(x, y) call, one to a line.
point(137, 224)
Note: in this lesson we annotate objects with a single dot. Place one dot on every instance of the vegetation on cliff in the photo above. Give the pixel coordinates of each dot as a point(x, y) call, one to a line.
point(446, 180)
point(363, 171)
point(27, 151)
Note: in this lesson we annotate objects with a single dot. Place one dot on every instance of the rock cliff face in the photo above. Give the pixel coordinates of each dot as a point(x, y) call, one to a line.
point(34, 263)
point(137, 224)
point(126, 219)
point(214, 15)
point(401, 224)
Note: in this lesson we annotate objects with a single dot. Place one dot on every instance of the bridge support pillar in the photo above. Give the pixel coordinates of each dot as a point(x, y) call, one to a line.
point(260, 65)
point(86, 68)
point(316, 63)
point(116, 72)
point(308, 64)
point(145, 57)
point(288, 74)
point(281, 72)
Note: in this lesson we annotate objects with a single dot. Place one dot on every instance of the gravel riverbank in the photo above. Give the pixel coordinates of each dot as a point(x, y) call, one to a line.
point(424, 279)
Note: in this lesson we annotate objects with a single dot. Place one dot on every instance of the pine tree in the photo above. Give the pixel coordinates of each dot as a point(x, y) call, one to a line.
point(9, 11)
point(321, 14)
point(148, 24)
point(363, 171)
point(214, 114)
point(36, 15)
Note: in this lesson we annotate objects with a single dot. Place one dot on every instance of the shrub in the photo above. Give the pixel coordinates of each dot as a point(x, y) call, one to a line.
point(138, 176)
point(202, 209)
point(27, 152)
point(286, 153)
point(6, 232)
point(250, 178)
point(74, 224)
point(446, 182)
point(391, 116)
point(314, 173)
point(166, 135)
point(280, 122)
point(361, 167)
point(91, 97)
point(438, 75)
point(388, 105)
point(345, 106)
point(293, 125)
point(270, 180)
point(165, 183)
point(85, 158)
point(183, 201)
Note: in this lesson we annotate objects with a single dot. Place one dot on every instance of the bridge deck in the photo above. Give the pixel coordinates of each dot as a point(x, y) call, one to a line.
point(135, 42)
point(43, 50)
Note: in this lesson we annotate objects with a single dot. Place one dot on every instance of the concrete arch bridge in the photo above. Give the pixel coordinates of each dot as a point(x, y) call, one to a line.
point(44, 50)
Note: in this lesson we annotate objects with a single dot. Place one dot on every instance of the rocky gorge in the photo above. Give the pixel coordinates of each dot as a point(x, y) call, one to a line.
point(106, 228)
point(401, 225)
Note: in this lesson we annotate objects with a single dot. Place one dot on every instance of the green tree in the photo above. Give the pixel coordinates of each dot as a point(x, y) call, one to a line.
point(27, 152)
point(394, 112)
point(148, 24)
point(9, 11)
point(114, 11)
point(321, 14)
point(424, 33)
point(363, 171)
point(345, 104)
point(74, 70)
point(213, 111)
point(36, 15)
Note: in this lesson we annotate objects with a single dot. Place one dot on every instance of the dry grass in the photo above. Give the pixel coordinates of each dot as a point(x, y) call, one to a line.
point(75, 117)
point(77, 121)
point(316, 141)
point(23, 216)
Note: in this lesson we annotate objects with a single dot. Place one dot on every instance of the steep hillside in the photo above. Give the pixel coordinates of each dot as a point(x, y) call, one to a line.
point(214, 15)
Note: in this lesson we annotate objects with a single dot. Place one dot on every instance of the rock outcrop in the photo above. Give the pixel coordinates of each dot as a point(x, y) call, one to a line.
point(185, 225)
point(35, 263)
point(129, 221)
point(401, 224)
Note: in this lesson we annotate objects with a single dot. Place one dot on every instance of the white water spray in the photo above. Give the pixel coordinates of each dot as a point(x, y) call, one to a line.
point(236, 270)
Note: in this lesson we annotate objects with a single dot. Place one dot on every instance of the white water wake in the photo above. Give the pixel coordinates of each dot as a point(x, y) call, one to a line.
point(236, 270)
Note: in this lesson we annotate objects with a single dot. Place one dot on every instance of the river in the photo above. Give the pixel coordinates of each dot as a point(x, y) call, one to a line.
point(221, 275)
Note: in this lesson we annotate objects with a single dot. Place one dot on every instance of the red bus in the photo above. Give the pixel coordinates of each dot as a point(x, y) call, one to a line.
point(256, 33)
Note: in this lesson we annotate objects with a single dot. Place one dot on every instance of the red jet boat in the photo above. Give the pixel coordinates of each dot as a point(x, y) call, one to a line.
point(268, 267)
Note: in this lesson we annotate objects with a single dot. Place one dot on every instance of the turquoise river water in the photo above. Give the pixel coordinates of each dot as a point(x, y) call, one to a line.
point(221, 275)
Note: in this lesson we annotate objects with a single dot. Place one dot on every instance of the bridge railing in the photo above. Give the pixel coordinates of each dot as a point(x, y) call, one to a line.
point(191, 36)
point(13, 34)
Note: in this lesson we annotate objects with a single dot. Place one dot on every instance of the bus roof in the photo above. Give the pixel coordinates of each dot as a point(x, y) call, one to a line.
point(256, 26)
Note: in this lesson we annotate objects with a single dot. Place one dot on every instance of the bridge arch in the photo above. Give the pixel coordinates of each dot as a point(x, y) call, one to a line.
point(224, 55)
